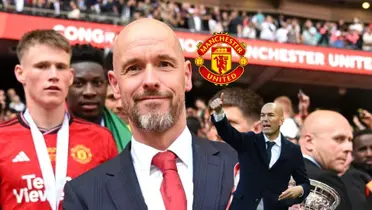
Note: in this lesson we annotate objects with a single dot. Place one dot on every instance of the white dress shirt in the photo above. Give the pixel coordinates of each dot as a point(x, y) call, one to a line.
point(312, 160)
point(150, 177)
point(275, 154)
point(275, 150)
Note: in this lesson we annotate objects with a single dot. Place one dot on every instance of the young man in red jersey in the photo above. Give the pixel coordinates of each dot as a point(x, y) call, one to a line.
point(45, 146)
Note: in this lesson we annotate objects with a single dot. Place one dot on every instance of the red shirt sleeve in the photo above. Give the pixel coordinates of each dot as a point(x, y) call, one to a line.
point(110, 146)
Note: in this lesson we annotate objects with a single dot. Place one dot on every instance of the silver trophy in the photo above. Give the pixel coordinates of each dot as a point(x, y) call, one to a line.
point(321, 197)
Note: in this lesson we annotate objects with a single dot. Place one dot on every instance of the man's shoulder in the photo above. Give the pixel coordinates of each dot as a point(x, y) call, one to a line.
point(330, 178)
point(81, 125)
point(5, 125)
point(223, 148)
point(292, 145)
point(101, 172)
point(354, 173)
point(11, 128)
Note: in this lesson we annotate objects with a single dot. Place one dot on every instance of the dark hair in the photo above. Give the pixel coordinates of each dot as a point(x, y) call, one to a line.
point(86, 52)
point(48, 37)
point(108, 61)
point(193, 124)
point(360, 133)
point(248, 102)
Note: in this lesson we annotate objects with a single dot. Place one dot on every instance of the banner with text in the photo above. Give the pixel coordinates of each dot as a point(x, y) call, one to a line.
point(258, 52)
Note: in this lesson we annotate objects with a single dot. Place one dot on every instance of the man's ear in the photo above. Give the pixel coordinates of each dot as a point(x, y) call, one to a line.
point(114, 83)
point(72, 75)
point(20, 74)
point(307, 142)
point(188, 76)
point(281, 121)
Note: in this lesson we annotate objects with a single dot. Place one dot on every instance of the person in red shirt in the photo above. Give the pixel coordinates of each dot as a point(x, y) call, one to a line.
point(45, 146)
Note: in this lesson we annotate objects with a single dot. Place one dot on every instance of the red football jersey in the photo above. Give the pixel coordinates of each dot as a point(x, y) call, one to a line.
point(22, 184)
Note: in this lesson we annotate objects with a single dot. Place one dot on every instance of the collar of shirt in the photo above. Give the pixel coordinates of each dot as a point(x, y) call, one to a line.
point(142, 154)
point(102, 122)
point(42, 130)
point(312, 160)
point(277, 141)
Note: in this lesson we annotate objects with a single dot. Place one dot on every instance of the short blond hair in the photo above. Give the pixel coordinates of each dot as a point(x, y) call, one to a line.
point(48, 37)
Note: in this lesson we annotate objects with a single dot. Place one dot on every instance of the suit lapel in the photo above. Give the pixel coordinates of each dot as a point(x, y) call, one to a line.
point(284, 153)
point(207, 175)
point(260, 142)
point(123, 185)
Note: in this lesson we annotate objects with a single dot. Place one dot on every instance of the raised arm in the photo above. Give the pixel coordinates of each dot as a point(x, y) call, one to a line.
point(239, 141)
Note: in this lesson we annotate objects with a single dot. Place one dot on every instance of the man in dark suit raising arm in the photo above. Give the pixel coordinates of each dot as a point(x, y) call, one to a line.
point(267, 161)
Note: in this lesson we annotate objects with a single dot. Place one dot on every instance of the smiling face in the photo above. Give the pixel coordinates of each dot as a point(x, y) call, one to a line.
point(151, 76)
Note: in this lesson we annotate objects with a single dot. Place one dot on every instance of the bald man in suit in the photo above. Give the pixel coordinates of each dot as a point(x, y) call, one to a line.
point(326, 141)
point(164, 166)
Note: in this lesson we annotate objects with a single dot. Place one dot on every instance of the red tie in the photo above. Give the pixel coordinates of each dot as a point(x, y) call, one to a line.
point(172, 191)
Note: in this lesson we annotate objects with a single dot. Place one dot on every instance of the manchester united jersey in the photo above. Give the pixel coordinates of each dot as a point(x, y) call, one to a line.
point(21, 180)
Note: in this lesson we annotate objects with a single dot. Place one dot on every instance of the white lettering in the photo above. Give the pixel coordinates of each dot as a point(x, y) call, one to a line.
point(319, 58)
point(350, 61)
point(368, 63)
point(301, 55)
point(27, 196)
point(29, 180)
point(34, 196)
point(34, 192)
point(19, 195)
point(359, 61)
point(97, 36)
point(189, 45)
point(38, 183)
point(284, 55)
point(42, 195)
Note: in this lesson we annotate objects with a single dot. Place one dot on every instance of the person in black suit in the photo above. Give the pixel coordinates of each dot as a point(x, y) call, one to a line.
point(326, 141)
point(164, 166)
point(362, 151)
point(355, 182)
point(356, 177)
point(265, 171)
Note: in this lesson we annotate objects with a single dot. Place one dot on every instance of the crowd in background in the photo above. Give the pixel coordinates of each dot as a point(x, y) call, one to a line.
point(350, 34)
point(10, 104)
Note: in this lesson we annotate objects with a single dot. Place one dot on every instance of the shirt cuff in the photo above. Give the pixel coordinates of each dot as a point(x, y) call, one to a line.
point(218, 117)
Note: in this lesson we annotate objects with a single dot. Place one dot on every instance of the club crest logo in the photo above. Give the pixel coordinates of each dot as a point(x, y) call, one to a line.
point(221, 72)
point(81, 154)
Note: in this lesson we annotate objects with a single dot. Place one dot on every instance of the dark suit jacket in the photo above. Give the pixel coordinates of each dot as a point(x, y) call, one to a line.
point(256, 179)
point(331, 179)
point(114, 185)
point(355, 182)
